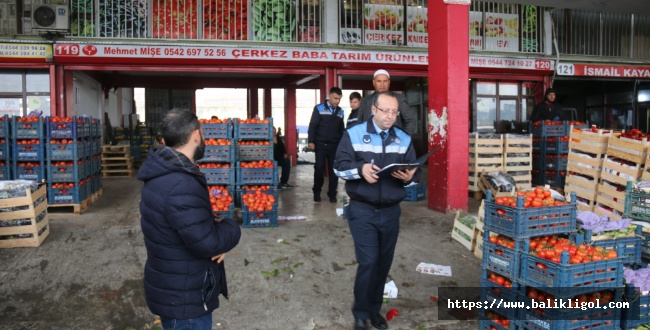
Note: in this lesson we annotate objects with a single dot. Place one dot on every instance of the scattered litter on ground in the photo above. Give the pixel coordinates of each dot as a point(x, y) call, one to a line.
point(433, 269)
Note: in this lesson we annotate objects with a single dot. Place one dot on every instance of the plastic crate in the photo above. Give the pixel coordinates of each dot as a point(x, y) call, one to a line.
point(254, 131)
point(485, 323)
point(28, 151)
point(637, 203)
point(491, 291)
point(254, 152)
point(65, 130)
point(142, 130)
point(539, 145)
point(218, 154)
point(27, 130)
point(260, 219)
point(217, 131)
point(5, 149)
point(557, 147)
point(225, 214)
point(71, 151)
point(566, 280)
point(500, 259)
point(219, 176)
point(631, 245)
point(520, 222)
point(554, 180)
point(74, 195)
point(5, 171)
point(5, 131)
point(34, 172)
point(416, 193)
point(257, 176)
point(241, 190)
point(639, 311)
point(569, 318)
point(543, 129)
point(72, 173)
point(554, 163)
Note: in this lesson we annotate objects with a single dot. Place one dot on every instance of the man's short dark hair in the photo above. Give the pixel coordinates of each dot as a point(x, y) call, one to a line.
point(177, 126)
point(355, 95)
point(386, 93)
point(336, 90)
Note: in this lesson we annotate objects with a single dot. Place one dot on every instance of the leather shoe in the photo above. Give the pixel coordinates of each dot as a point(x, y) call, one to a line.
point(316, 198)
point(378, 321)
point(332, 199)
point(360, 324)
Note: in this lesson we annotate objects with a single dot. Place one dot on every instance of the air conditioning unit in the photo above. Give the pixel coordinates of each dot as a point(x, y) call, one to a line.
point(50, 17)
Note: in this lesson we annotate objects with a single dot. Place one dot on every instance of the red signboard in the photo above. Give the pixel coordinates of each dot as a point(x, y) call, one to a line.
point(603, 70)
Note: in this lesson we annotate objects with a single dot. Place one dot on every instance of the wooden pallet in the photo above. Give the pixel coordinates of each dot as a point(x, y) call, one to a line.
point(117, 173)
point(68, 208)
point(94, 197)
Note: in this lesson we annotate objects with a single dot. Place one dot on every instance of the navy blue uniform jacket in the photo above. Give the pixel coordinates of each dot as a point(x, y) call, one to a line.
point(325, 126)
point(181, 236)
point(362, 144)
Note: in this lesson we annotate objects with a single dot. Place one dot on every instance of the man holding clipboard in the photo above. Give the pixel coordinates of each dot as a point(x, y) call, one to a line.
point(374, 200)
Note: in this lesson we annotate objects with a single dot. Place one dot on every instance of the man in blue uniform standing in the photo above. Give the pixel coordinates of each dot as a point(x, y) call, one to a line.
point(325, 130)
point(374, 209)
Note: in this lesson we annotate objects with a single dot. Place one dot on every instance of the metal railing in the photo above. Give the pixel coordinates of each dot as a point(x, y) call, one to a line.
point(506, 27)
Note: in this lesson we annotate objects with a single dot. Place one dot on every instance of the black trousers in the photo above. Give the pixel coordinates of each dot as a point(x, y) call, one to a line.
point(325, 153)
point(285, 163)
point(375, 234)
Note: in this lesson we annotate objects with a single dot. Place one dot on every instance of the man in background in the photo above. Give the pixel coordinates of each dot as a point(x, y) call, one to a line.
point(547, 109)
point(355, 102)
point(325, 130)
point(381, 82)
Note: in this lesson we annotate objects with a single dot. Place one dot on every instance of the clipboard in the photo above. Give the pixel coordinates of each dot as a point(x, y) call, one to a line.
point(388, 169)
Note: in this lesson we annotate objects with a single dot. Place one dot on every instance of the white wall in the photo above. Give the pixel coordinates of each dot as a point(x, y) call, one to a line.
point(86, 95)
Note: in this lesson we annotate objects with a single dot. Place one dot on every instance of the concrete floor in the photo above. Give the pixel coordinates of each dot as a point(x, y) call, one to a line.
point(88, 273)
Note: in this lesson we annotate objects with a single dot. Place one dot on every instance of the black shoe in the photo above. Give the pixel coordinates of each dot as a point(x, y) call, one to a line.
point(378, 321)
point(316, 198)
point(360, 324)
point(287, 186)
point(332, 199)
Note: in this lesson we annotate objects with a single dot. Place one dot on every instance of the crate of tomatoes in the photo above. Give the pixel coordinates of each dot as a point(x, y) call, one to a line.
point(67, 170)
point(218, 173)
point(66, 127)
point(32, 170)
point(4, 127)
point(259, 210)
point(534, 212)
point(500, 289)
point(548, 128)
point(218, 150)
point(67, 192)
point(216, 128)
point(492, 320)
point(222, 201)
point(65, 149)
point(28, 149)
point(253, 129)
point(257, 172)
point(265, 188)
point(254, 149)
point(27, 127)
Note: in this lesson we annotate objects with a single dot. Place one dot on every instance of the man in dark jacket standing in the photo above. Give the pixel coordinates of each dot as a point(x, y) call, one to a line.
point(381, 82)
point(184, 272)
point(374, 209)
point(325, 130)
point(548, 109)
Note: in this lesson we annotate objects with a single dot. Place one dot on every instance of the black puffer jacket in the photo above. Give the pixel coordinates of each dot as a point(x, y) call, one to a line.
point(180, 234)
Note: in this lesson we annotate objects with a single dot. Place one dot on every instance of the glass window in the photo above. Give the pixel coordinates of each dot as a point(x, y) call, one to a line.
point(527, 106)
point(11, 106)
point(486, 88)
point(38, 103)
point(11, 81)
point(527, 88)
point(38, 82)
point(508, 109)
point(486, 113)
point(510, 89)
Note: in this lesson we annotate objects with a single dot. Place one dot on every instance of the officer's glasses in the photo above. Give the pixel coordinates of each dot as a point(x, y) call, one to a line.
point(386, 111)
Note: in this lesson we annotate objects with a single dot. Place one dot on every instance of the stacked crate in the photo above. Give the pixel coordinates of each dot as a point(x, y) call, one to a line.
point(95, 159)
point(550, 148)
point(218, 165)
point(116, 161)
point(485, 155)
point(511, 272)
point(587, 151)
point(68, 162)
point(5, 148)
point(23, 219)
point(518, 153)
point(257, 172)
point(28, 148)
point(624, 161)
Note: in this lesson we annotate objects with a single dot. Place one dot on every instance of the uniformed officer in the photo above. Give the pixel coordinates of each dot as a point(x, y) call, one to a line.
point(374, 208)
point(325, 130)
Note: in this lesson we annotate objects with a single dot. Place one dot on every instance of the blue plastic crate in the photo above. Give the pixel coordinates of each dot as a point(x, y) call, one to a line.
point(218, 131)
point(34, 172)
point(500, 259)
point(225, 214)
point(254, 131)
point(241, 190)
point(569, 318)
point(416, 193)
point(27, 151)
point(253, 219)
point(257, 176)
point(539, 146)
point(557, 147)
point(631, 246)
point(566, 280)
point(485, 323)
point(544, 129)
point(491, 291)
point(639, 311)
point(519, 222)
point(5, 170)
point(98, 146)
point(27, 130)
point(556, 180)
point(253, 152)
point(218, 154)
point(64, 130)
point(70, 151)
point(70, 173)
point(5, 131)
point(74, 195)
point(219, 176)
point(637, 203)
point(554, 163)
point(5, 149)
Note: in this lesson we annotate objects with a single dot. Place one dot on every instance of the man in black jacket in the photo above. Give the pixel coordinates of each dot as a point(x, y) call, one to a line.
point(547, 109)
point(325, 130)
point(184, 273)
point(282, 158)
point(374, 208)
